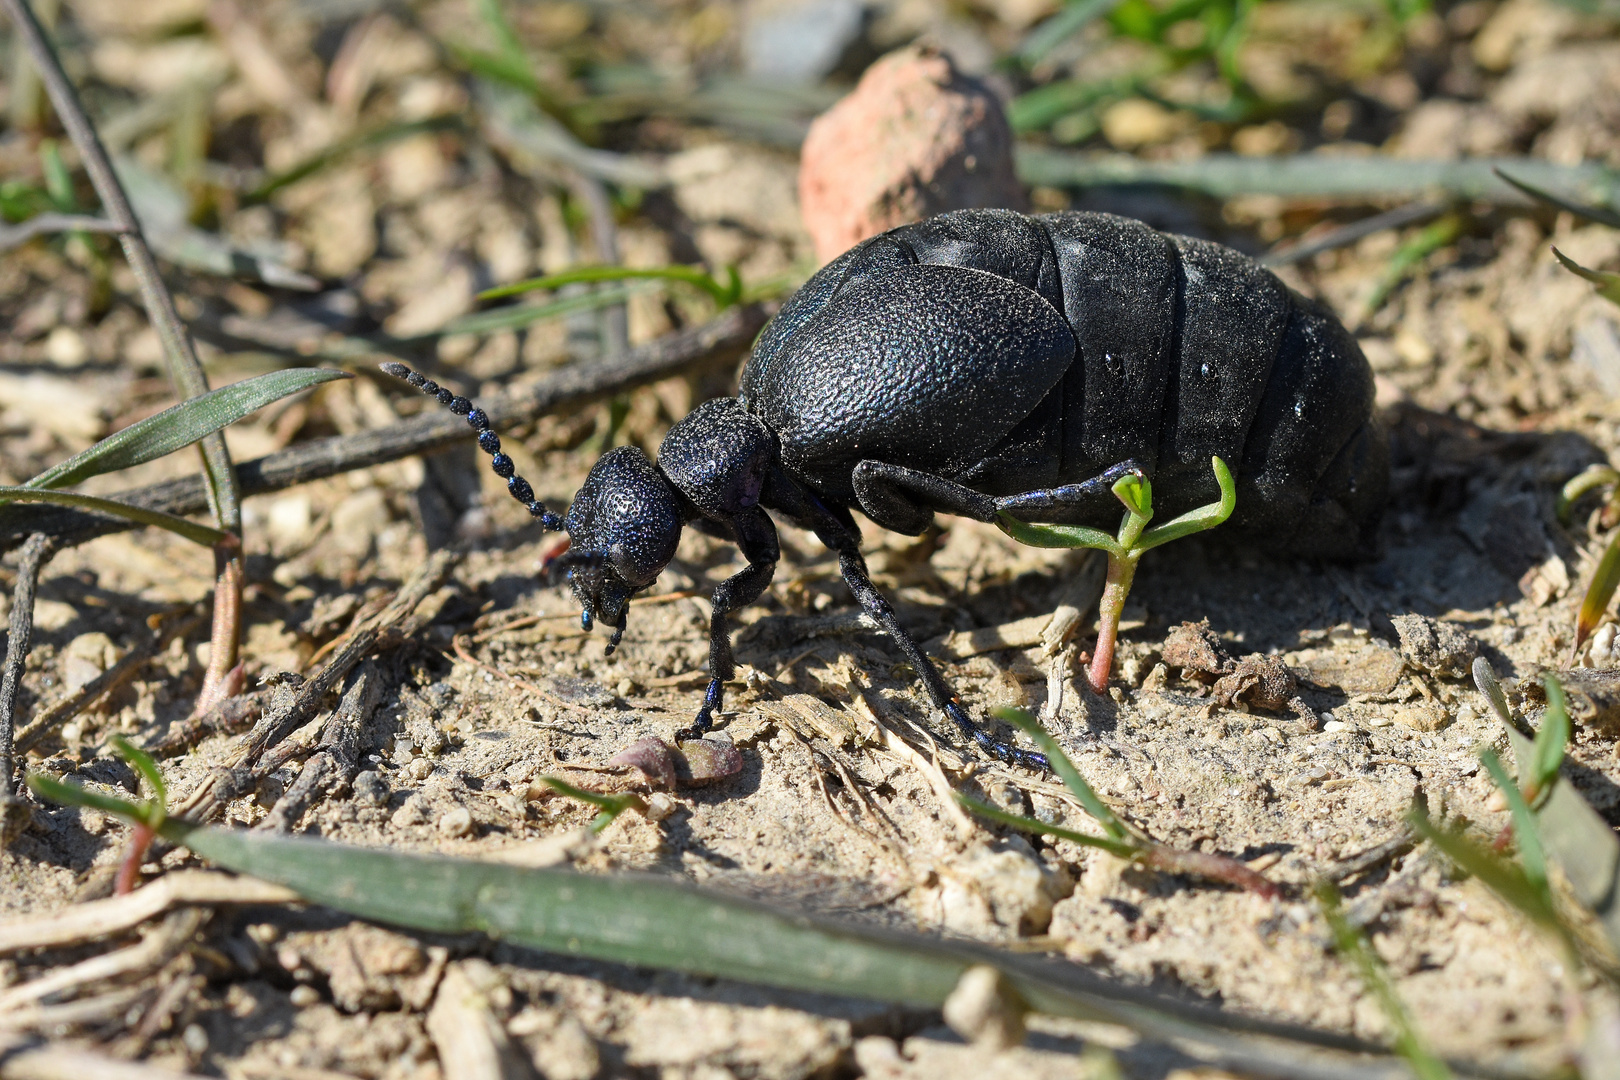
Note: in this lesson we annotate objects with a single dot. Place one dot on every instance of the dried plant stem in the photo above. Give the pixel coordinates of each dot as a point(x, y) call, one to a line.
point(12, 236)
point(35, 554)
point(297, 703)
point(185, 370)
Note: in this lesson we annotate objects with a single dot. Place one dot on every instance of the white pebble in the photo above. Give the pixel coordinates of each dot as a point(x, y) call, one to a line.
point(304, 996)
point(456, 823)
point(1335, 725)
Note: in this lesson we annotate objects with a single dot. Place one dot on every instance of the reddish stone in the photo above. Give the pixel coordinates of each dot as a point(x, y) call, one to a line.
point(915, 138)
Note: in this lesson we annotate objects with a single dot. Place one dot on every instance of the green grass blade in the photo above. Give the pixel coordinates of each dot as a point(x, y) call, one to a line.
point(1608, 284)
point(1504, 879)
point(65, 794)
point(143, 764)
point(610, 805)
point(180, 426)
point(1601, 215)
point(1531, 857)
point(663, 922)
point(199, 534)
point(1193, 521)
point(518, 316)
point(1588, 479)
point(724, 294)
point(1354, 947)
point(1066, 771)
point(1074, 18)
point(362, 140)
point(1551, 740)
point(1599, 591)
point(1123, 849)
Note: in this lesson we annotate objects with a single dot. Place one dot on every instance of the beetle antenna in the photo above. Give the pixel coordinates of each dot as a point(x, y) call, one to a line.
point(488, 442)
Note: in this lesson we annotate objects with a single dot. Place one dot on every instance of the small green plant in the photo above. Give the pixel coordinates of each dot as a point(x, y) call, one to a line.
point(725, 294)
point(1118, 838)
point(1354, 947)
point(610, 805)
point(147, 816)
point(1125, 550)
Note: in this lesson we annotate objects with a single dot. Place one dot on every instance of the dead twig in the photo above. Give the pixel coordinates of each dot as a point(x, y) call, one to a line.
point(159, 946)
point(36, 553)
point(13, 236)
point(295, 702)
point(231, 715)
point(721, 339)
point(97, 919)
point(24, 1059)
point(337, 757)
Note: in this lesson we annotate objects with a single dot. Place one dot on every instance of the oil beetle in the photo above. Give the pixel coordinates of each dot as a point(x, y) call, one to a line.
point(980, 362)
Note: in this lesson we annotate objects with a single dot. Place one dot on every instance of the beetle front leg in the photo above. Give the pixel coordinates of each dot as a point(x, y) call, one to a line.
point(756, 536)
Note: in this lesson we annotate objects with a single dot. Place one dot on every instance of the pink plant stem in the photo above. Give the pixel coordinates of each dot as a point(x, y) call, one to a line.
point(140, 838)
point(1115, 589)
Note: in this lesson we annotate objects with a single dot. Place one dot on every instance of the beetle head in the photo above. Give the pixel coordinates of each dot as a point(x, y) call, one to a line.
point(623, 527)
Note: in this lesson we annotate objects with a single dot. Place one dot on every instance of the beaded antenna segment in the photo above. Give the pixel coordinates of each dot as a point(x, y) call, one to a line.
point(488, 441)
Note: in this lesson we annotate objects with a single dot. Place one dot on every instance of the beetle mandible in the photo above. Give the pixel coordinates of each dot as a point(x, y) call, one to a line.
point(980, 362)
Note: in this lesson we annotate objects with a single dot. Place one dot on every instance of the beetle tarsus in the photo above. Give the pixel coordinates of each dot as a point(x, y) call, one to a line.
point(1003, 751)
point(713, 700)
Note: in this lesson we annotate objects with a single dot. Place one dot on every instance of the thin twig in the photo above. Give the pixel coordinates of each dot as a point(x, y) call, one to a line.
point(721, 339)
point(54, 1059)
point(141, 958)
point(96, 919)
point(35, 554)
point(296, 702)
point(1346, 235)
point(338, 756)
point(12, 236)
point(185, 369)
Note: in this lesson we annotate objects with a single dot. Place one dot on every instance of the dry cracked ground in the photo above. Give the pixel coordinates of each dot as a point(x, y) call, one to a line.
point(1496, 374)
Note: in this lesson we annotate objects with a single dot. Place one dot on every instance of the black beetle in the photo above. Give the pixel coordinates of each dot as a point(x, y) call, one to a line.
point(985, 361)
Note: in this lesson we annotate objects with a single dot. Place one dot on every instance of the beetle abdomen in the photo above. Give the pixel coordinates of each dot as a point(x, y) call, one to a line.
point(1181, 349)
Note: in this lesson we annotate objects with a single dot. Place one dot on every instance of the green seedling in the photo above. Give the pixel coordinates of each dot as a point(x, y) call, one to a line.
point(1118, 838)
point(1125, 550)
point(1354, 947)
point(147, 816)
point(725, 294)
point(611, 806)
point(1606, 576)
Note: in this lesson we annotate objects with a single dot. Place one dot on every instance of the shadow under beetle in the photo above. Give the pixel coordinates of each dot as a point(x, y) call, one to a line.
point(986, 362)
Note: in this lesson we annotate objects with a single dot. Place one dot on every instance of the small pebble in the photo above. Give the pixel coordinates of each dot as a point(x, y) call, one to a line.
point(419, 769)
point(1335, 725)
point(196, 1039)
point(659, 806)
point(370, 788)
point(456, 823)
point(304, 996)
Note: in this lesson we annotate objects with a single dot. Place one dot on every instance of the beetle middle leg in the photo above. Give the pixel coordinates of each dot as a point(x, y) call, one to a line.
point(853, 566)
point(905, 499)
point(756, 536)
